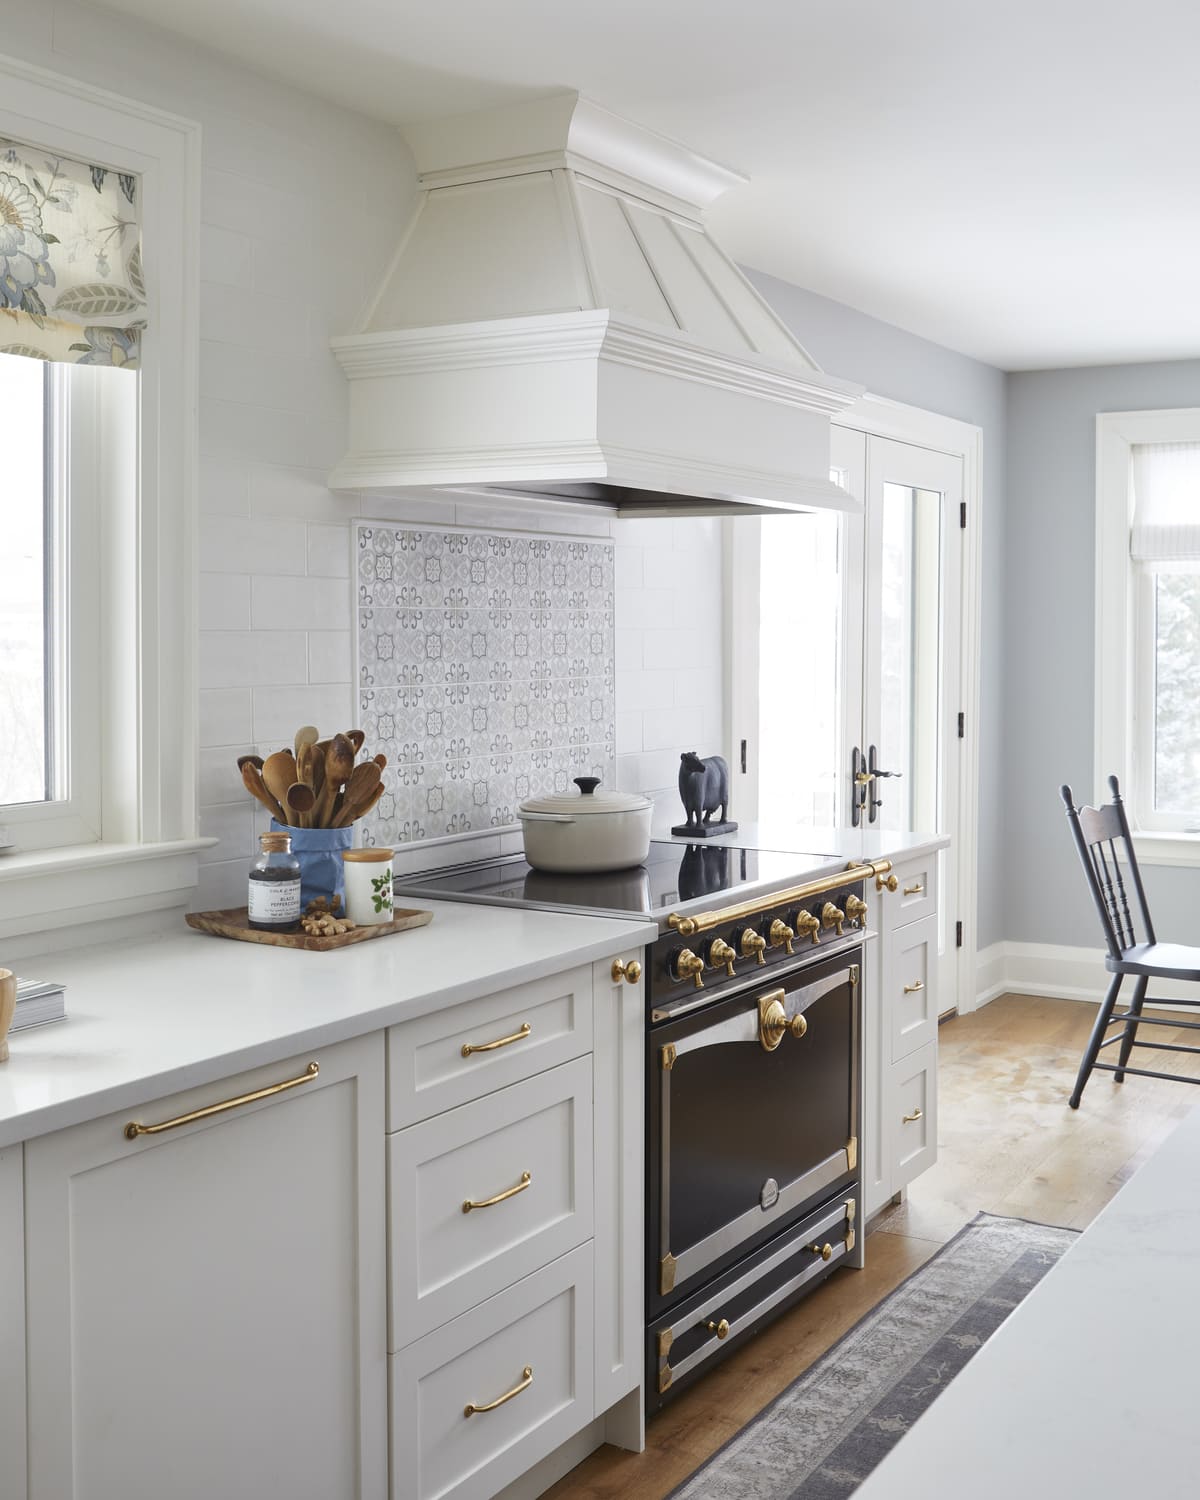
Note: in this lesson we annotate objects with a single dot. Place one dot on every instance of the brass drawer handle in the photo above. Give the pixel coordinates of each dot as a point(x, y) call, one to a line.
point(917, 1114)
point(824, 1251)
point(721, 1329)
point(470, 1203)
point(914, 890)
point(912, 989)
point(525, 1382)
point(135, 1128)
point(502, 1041)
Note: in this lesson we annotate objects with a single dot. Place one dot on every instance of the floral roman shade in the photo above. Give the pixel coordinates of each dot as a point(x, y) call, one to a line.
point(71, 284)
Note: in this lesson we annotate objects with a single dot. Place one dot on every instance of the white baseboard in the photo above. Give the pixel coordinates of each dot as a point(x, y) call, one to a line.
point(1057, 971)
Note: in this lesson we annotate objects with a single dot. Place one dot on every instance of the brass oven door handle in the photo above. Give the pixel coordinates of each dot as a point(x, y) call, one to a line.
point(136, 1128)
point(501, 1041)
point(470, 1203)
point(522, 1385)
point(913, 989)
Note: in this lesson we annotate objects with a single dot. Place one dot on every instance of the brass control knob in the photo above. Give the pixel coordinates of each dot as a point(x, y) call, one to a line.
point(832, 916)
point(824, 1251)
point(807, 926)
point(720, 953)
point(773, 1024)
point(688, 965)
point(721, 1329)
point(751, 944)
point(886, 882)
point(856, 911)
point(630, 972)
point(780, 935)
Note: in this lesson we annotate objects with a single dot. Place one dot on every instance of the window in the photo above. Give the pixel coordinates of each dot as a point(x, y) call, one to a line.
point(1148, 625)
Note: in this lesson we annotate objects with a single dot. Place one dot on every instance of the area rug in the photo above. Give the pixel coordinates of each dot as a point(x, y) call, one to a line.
point(821, 1438)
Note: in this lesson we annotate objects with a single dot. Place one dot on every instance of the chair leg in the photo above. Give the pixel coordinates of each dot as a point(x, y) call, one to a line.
point(1130, 1035)
point(1093, 1047)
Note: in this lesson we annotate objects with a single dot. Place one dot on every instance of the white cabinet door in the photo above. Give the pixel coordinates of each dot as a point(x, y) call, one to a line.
point(207, 1305)
point(910, 1003)
point(12, 1326)
point(911, 1123)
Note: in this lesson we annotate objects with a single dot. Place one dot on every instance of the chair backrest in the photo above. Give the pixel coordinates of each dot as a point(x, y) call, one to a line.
point(1102, 838)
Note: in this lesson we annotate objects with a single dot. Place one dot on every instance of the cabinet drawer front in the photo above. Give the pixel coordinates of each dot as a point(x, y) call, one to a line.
point(915, 894)
point(527, 1149)
point(912, 1116)
point(531, 1344)
point(910, 1000)
point(453, 1056)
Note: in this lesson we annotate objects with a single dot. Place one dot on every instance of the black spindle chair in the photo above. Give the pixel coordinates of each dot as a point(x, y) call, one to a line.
point(1102, 838)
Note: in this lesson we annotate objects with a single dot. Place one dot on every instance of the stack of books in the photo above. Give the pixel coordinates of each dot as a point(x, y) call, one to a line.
point(38, 1001)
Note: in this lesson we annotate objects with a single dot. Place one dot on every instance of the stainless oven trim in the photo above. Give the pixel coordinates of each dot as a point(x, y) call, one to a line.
point(673, 1270)
point(844, 1209)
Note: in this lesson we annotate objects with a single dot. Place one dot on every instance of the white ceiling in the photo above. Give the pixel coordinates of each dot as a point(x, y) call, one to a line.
point(1016, 180)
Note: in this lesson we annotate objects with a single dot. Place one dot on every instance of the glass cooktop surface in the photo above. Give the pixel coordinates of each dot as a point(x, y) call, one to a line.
point(674, 872)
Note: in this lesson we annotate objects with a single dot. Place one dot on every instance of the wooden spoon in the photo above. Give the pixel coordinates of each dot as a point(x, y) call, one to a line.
point(301, 800)
point(339, 766)
point(307, 734)
point(361, 809)
point(363, 781)
point(381, 761)
point(252, 780)
point(252, 760)
point(356, 737)
point(279, 773)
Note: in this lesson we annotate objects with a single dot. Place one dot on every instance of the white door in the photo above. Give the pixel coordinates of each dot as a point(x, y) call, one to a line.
point(846, 651)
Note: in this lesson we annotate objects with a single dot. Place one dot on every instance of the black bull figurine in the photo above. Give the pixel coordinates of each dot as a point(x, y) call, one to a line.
point(703, 788)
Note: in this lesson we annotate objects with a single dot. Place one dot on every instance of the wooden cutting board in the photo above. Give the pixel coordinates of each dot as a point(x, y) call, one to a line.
point(232, 923)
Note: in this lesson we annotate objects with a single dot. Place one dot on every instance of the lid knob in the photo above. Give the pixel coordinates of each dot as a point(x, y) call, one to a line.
point(587, 784)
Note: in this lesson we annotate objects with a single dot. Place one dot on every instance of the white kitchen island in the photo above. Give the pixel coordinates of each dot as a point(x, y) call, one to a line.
point(1089, 1388)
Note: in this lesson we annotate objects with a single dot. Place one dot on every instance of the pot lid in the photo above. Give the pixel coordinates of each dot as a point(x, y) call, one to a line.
point(587, 800)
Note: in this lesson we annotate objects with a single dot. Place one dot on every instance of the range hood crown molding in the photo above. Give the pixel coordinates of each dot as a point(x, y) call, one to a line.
point(558, 324)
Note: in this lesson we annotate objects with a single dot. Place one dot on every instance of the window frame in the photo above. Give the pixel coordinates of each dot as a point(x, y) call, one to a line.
point(1125, 635)
point(145, 857)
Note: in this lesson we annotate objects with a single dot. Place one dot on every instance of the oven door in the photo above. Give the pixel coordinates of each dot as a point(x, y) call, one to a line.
point(753, 1108)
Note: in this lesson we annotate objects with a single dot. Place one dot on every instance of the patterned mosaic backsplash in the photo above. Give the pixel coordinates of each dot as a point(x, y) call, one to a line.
point(485, 672)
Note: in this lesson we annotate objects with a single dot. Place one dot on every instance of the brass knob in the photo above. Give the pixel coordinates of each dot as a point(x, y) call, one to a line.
point(856, 911)
point(886, 882)
point(824, 1251)
point(808, 926)
point(780, 935)
point(719, 952)
point(832, 916)
point(721, 1329)
point(630, 972)
point(688, 965)
point(773, 1024)
point(752, 944)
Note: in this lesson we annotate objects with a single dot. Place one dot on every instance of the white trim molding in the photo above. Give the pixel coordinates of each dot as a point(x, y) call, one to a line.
point(1056, 971)
point(148, 734)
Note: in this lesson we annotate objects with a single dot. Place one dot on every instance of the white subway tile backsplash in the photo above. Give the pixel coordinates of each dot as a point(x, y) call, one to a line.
point(248, 658)
point(329, 656)
point(225, 717)
point(232, 825)
point(300, 604)
point(266, 434)
point(224, 601)
point(665, 649)
point(223, 488)
point(664, 728)
point(329, 551)
point(629, 733)
point(291, 493)
point(279, 711)
point(219, 780)
point(233, 544)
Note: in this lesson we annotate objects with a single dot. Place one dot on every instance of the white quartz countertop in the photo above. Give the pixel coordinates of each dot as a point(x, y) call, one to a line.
point(151, 1017)
point(838, 843)
point(1089, 1388)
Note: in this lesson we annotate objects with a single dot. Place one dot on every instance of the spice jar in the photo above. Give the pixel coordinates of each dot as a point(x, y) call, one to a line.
point(273, 898)
point(368, 885)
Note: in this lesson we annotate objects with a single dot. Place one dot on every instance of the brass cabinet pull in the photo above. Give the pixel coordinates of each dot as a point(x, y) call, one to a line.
point(630, 972)
point(917, 1114)
point(470, 1203)
point(912, 989)
point(135, 1128)
point(501, 1041)
point(824, 1251)
point(888, 883)
point(914, 890)
point(523, 1385)
point(721, 1329)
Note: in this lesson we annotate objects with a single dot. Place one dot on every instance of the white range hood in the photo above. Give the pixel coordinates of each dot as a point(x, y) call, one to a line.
point(558, 324)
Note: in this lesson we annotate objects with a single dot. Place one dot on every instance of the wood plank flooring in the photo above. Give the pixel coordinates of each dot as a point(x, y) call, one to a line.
point(1007, 1143)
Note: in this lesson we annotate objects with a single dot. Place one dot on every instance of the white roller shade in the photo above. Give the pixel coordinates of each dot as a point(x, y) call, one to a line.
point(1166, 502)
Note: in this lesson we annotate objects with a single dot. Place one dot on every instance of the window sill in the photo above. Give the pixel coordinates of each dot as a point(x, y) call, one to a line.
point(46, 890)
point(1167, 848)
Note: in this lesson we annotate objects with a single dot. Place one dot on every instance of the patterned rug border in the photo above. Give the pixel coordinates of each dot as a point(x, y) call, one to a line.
point(765, 1411)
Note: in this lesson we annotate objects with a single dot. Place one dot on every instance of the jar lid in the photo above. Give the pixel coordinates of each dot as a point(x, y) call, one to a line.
point(275, 843)
point(367, 856)
point(587, 800)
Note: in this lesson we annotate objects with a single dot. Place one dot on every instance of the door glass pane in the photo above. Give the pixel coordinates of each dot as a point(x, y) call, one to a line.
point(909, 656)
point(1176, 704)
point(800, 759)
point(24, 639)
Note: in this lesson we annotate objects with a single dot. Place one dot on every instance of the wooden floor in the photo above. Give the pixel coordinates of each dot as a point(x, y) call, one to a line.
point(1007, 1143)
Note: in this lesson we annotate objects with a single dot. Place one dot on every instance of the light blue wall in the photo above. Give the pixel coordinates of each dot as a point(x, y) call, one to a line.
point(1049, 519)
point(898, 365)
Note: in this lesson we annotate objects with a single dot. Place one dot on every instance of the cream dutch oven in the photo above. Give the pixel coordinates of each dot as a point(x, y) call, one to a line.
point(578, 833)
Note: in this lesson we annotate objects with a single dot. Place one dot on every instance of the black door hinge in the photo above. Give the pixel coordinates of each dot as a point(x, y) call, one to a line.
point(958, 934)
point(962, 725)
point(743, 757)
point(962, 514)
